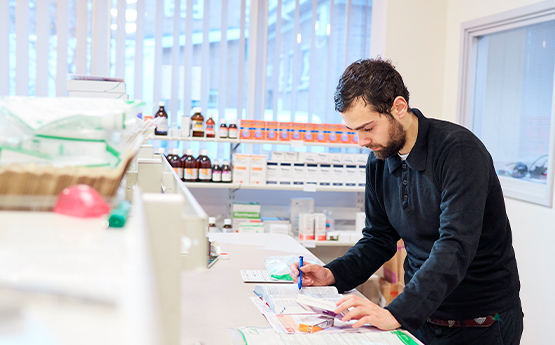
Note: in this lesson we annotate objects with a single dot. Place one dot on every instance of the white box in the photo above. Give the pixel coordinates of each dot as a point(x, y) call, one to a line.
point(311, 174)
point(277, 156)
point(306, 226)
point(362, 175)
point(350, 175)
point(258, 170)
point(92, 94)
point(360, 221)
point(337, 172)
point(185, 130)
point(322, 157)
point(324, 175)
point(350, 159)
point(362, 159)
point(307, 157)
point(251, 227)
point(272, 173)
point(285, 170)
point(296, 207)
point(298, 174)
point(241, 168)
point(95, 84)
point(283, 229)
point(336, 158)
point(291, 156)
point(319, 226)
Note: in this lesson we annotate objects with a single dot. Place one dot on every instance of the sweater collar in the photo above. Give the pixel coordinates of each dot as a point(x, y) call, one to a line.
point(419, 153)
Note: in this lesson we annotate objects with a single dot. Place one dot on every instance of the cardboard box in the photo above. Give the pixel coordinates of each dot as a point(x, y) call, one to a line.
point(338, 175)
point(251, 227)
point(291, 156)
point(307, 132)
point(272, 130)
point(277, 156)
point(298, 174)
point(296, 207)
point(336, 158)
point(241, 168)
point(350, 175)
point(311, 174)
point(308, 157)
point(258, 170)
point(319, 226)
point(306, 226)
point(320, 132)
point(272, 173)
point(252, 129)
point(297, 130)
point(284, 131)
point(388, 291)
point(325, 176)
point(285, 170)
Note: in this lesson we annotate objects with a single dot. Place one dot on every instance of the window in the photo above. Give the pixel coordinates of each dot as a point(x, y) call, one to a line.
point(256, 59)
point(507, 97)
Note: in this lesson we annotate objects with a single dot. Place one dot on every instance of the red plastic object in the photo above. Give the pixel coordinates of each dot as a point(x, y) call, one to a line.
point(81, 201)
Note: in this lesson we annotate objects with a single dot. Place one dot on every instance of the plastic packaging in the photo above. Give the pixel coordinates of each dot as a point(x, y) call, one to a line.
point(278, 266)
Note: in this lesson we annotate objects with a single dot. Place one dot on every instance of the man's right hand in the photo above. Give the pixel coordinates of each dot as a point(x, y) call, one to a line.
point(313, 275)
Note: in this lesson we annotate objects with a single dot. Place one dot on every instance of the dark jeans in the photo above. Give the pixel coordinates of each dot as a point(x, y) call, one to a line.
point(506, 331)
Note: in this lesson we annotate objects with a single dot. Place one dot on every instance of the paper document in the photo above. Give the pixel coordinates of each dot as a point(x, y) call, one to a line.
point(260, 276)
point(267, 336)
point(282, 299)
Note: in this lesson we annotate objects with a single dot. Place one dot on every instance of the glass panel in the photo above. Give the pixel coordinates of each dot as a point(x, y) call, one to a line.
point(513, 98)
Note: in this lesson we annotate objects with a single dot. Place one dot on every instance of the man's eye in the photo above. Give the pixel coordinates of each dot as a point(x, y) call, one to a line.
point(368, 129)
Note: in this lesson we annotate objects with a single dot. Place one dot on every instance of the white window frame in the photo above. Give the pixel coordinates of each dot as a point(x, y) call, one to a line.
point(541, 194)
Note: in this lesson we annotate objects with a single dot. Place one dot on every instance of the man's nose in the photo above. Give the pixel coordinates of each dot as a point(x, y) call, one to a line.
point(364, 139)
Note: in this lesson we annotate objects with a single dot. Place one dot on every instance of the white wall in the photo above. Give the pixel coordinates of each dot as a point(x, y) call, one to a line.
point(423, 39)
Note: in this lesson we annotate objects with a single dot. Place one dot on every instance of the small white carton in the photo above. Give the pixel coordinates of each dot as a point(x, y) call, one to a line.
point(285, 169)
point(296, 207)
point(291, 156)
point(325, 175)
point(350, 175)
point(258, 170)
point(298, 174)
point(337, 172)
point(241, 168)
point(336, 158)
point(272, 173)
point(308, 157)
point(277, 156)
point(306, 226)
point(319, 226)
point(311, 174)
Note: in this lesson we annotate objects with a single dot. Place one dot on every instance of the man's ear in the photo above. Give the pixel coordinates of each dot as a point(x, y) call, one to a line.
point(400, 107)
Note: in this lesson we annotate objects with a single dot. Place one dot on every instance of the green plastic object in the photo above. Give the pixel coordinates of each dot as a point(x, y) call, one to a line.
point(118, 217)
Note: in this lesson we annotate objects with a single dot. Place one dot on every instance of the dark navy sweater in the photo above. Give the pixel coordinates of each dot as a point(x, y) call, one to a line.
point(445, 202)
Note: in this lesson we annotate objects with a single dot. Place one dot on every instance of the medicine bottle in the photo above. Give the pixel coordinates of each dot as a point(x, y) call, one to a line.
point(176, 164)
point(191, 167)
point(227, 225)
point(216, 172)
point(232, 131)
point(197, 122)
point(226, 172)
point(162, 127)
point(204, 167)
point(212, 225)
point(224, 132)
point(210, 130)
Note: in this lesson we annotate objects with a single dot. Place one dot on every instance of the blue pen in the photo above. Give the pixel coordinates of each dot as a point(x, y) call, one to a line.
point(300, 272)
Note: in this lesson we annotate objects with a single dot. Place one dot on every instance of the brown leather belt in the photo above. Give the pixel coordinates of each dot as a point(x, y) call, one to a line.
point(477, 322)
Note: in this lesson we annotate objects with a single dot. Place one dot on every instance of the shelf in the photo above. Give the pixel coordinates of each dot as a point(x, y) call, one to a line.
point(292, 143)
point(273, 187)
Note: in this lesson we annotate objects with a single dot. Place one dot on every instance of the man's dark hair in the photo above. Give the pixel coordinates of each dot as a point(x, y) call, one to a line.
point(374, 81)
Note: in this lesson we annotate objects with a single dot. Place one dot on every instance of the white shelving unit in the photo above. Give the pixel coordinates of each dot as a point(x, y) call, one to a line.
point(292, 143)
point(304, 188)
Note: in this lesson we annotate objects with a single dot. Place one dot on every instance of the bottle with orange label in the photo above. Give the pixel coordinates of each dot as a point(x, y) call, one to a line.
point(175, 162)
point(197, 122)
point(190, 167)
point(210, 128)
point(204, 167)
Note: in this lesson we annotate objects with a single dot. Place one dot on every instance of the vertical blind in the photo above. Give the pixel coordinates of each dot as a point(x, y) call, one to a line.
point(257, 59)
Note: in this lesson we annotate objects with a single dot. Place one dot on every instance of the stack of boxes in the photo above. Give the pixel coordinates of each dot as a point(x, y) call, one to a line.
point(393, 281)
point(246, 218)
point(96, 87)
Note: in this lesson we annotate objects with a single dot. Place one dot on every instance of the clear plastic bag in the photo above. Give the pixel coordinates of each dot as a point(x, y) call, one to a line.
point(278, 266)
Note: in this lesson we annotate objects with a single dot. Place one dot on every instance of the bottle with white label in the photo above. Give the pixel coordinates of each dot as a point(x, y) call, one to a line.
point(216, 172)
point(212, 225)
point(232, 131)
point(227, 225)
point(204, 167)
point(226, 172)
point(162, 127)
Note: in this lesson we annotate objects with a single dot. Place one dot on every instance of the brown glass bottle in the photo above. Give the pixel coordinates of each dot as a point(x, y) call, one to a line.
point(176, 164)
point(191, 167)
point(204, 167)
point(216, 172)
point(210, 128)
point(197, 123)
point(162, 127)
point(226, 172)
point(223, 133)
point(232, 131)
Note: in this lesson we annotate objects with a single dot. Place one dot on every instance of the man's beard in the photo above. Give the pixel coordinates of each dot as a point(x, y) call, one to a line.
point(397, 139)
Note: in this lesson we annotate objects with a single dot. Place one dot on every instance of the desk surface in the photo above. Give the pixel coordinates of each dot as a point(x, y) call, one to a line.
point(218, 299)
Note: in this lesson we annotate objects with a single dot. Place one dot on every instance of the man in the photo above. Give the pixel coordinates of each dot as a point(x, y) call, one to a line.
point(433, 184)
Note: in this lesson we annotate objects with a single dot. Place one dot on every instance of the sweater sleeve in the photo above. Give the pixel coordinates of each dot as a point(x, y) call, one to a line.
point(378, 244)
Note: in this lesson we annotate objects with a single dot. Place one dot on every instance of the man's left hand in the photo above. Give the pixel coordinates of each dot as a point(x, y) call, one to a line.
point(366, 312)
